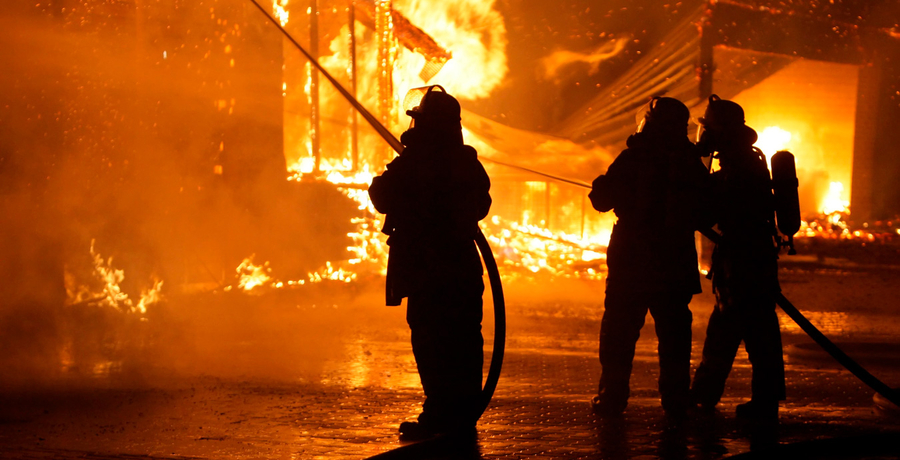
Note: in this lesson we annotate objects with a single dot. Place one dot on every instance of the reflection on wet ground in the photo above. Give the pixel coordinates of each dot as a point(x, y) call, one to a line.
point(351, 404)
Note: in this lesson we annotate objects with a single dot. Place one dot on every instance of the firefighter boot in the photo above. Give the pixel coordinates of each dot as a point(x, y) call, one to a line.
point(758, 410)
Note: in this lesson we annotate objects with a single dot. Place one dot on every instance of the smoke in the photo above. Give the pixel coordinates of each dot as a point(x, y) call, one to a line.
point(155, 131)
point(556, 61)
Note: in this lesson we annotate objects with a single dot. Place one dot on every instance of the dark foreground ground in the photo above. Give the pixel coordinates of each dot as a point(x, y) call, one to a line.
point(289, 379)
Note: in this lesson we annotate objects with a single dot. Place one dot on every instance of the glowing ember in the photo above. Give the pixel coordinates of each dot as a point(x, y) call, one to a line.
point(834, 202)
point(530, 249)
point(333, 274)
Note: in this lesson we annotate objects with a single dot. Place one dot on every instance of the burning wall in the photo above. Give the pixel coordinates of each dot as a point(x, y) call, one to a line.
point(809, 108)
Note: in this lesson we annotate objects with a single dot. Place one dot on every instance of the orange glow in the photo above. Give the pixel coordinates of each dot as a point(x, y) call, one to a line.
point(251, 275)
point(809, 108)
point(111, 293)
point(834, 201)
point(771, 140)
point(279, 9)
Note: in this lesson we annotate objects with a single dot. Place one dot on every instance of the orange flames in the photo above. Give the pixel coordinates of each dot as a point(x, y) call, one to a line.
point(475, 35)
point(111, 294)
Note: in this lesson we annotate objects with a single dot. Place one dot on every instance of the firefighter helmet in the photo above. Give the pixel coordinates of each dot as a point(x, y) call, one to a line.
point(663, 111)
point(722, 114)
point(426, 104)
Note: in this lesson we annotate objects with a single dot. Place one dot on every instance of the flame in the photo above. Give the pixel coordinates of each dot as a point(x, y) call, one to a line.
point(251, 275)
point(111, 279)
point(771, 140)
point(111, 293)
point(150, 296)
point(280, 10)
point(530, 249)
point(834, 203)
point(331, 273)
point(473, 31)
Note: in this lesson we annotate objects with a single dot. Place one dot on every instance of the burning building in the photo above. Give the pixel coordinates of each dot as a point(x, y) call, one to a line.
point(812, 81)
point(155, 148)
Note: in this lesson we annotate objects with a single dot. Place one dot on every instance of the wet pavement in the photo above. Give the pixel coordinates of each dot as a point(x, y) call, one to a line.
point(349, 403)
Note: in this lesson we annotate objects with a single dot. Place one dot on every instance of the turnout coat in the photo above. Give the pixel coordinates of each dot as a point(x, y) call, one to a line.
point(433, 196)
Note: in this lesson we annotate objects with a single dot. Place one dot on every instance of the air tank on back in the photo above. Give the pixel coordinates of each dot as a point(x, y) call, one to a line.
point(787, 201)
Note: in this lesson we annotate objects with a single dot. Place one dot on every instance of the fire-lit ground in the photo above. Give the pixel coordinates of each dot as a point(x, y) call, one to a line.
point(334, 378)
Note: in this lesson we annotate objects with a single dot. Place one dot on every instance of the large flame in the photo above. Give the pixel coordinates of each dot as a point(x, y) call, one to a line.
point(473, 31)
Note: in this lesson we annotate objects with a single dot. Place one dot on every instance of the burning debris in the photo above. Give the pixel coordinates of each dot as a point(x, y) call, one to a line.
point(166, 130)
point(107, 280)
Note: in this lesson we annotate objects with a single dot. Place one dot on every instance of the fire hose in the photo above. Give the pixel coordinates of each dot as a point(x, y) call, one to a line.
point(811, 330)
point(484, 248)
point(494, 275)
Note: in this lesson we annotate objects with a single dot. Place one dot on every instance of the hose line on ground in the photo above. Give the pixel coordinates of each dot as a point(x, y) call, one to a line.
point(494, 275)
point(811, 330)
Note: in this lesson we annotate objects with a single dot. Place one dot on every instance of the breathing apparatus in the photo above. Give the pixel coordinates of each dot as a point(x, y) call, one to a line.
point(723, 126)
point(494, 275)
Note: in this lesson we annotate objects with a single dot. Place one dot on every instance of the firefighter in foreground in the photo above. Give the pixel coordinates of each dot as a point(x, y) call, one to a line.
point(654, 187)
point(433, 196)
point(744, 267)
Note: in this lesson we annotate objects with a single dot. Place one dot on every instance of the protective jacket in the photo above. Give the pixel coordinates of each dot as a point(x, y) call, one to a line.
point(745, 259)
point(655, 188)
point(433, 194)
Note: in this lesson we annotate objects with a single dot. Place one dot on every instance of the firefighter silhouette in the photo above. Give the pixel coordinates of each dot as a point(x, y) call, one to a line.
point(744, 267)
point(654, 187)
point(433, 196)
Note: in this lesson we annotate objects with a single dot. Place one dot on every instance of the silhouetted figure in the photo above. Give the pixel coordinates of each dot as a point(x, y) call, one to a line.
point(744, 267)
point(434, 194)
point(654, 186)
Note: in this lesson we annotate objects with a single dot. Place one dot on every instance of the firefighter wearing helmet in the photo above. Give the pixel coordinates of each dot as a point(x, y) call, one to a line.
point(744, 266)
point(655, 187)
point(433, 196)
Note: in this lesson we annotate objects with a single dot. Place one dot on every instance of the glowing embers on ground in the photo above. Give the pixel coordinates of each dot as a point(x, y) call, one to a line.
point(254, 278)
point(108, 278)
point(521, 249)
point(831, 222)
point(524, 249)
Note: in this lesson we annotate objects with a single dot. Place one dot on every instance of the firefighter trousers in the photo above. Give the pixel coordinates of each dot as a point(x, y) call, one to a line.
point(754, 322)
point(445, 326)
point(620, 329)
